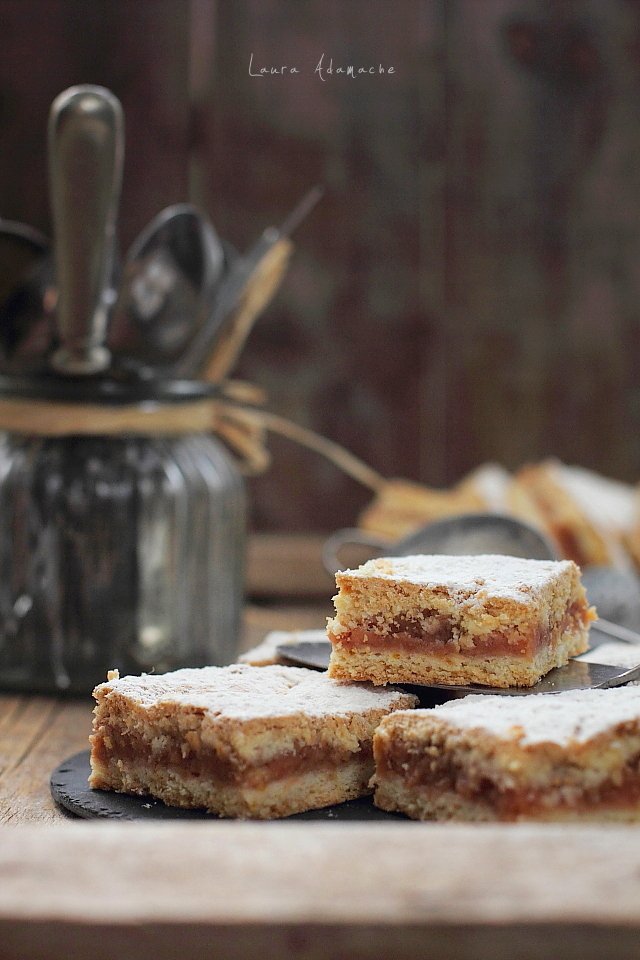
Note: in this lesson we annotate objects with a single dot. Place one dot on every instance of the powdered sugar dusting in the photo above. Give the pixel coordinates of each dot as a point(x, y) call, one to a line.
point(243, 692)
point(492, 575)
point(562, 718)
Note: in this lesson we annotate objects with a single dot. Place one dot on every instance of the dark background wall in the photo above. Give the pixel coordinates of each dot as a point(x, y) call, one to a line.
point(469, 287)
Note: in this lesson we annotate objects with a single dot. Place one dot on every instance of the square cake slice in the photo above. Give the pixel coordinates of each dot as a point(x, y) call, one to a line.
point(557, 756)
point(239, 741)
point(491, 620)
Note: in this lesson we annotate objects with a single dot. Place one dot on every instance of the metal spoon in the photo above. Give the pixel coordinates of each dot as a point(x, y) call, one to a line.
point(169, 284)
point(467, 534)
point(23, 236)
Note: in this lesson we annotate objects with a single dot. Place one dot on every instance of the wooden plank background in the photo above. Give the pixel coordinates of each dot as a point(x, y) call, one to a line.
point(468, 288)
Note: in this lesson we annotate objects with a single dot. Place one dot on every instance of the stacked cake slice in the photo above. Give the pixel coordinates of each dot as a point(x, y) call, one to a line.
point(491, 620)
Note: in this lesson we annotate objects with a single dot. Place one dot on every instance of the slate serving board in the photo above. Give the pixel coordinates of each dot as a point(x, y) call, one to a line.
point(70, 789)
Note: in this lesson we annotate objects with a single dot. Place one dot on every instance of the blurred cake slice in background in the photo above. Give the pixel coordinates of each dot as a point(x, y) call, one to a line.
point(591, 519)
point(632, 535)
point(524, 505)
point(589, 516)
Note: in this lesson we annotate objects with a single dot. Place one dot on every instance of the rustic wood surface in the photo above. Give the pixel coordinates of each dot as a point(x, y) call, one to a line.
point(319, 891)
point(141, 52)
point(468, 288)
point(287, 566)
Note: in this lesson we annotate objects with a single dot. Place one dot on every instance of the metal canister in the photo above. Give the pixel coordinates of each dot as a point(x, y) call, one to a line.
point(116, 552)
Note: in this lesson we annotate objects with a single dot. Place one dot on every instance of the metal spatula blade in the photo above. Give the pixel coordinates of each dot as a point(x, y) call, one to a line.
point(576, 675)
point(313, 654)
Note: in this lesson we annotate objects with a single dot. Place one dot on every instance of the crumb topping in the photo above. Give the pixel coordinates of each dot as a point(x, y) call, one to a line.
point(491, 574)
point(244, 692)
point(562, 718)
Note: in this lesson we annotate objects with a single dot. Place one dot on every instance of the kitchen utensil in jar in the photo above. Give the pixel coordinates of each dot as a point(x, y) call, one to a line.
point(170, 279)
point(249, 285)
point(86, 144)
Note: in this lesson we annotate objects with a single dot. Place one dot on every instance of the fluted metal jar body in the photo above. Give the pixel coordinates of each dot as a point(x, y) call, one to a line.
point(116, 552)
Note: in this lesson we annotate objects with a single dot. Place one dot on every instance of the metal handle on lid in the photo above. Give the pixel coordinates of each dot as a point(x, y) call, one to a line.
point(86, 146)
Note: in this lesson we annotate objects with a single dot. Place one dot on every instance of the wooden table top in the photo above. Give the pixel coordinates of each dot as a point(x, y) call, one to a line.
point(74, 889)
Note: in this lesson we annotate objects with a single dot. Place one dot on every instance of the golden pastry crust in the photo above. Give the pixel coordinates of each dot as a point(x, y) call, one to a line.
point(498, 621)
point(239, 741)
point(563, 756)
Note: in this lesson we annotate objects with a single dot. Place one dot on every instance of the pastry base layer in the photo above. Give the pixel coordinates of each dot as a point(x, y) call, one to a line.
point(280, 798)
point(424, 803)
point(389, 665)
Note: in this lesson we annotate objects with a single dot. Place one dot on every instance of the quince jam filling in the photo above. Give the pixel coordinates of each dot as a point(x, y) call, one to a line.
point(435, 634)
point(620, 791)
point(133, 749)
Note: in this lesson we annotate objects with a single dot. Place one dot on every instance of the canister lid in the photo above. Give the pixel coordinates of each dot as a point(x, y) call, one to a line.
point(107, 390)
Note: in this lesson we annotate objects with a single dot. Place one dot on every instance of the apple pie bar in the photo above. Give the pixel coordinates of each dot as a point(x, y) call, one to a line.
point(492, 620)
point(239, 741)
point(558, 756)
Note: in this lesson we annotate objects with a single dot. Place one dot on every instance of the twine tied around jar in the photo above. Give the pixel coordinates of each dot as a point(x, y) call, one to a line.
point(237, 416)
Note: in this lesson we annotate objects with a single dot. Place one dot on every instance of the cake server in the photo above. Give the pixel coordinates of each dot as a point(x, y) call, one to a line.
point(575, 675)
